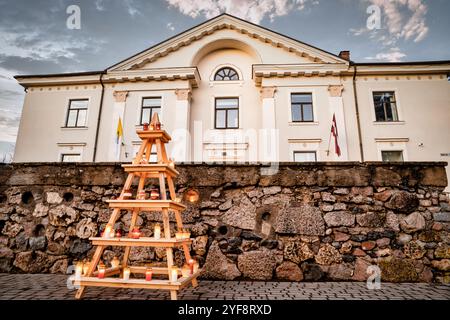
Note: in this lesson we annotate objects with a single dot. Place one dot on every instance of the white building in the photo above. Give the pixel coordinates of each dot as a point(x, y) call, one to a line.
point(229, 90)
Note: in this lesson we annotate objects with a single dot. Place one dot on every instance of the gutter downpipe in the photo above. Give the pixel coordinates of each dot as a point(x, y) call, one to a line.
point(358, 122)
point(99, 117)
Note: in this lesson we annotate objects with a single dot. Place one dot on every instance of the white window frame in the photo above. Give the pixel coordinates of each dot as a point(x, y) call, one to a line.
point(303, 151)
point(66, 114)
point(213, 82)
point(313, 92)
point(71, 148)
point(213, 113)
point(304, 145)
point(397, 104)
point(143, 95)
point(394, 144)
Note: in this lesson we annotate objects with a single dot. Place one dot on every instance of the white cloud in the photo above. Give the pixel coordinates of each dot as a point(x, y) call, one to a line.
point(131, 8)
point(170, 26)
point(252, 10)
point(404, 19)
point(393, 55)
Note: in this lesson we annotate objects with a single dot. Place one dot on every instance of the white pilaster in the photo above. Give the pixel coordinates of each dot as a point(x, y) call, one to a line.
point(269, 139)
point(337, 107)
point(181, 137)
point(115, 148)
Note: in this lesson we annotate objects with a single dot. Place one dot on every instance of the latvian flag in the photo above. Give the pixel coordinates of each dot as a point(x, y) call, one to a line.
point(334, 132)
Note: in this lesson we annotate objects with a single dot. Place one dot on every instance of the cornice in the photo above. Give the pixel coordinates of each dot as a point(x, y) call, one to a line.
point(30, 81)
point(231, 23)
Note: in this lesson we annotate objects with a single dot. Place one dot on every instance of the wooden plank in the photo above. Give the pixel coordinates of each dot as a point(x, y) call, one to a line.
point(131, 283)
point(154, 134)
point(162, 186)
point(151, 168)
point(148, 205)
point(173, 194)
point(141, 242)
point(140, 152)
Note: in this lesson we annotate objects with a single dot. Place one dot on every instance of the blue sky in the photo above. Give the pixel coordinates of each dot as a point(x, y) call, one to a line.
point(34, 37)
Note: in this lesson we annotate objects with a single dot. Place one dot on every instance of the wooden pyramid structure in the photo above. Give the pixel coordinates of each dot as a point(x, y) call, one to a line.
point(121, 274)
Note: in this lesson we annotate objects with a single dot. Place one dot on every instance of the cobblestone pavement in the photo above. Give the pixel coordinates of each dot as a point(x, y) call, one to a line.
point(45, 286)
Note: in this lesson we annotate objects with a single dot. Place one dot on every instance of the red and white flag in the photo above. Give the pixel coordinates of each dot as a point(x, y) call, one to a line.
point(334, 132)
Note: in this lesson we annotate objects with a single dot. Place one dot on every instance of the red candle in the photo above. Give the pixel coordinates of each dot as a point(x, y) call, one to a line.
point(101, 272)
point(191, 265)
point(154, 194)
point(135, 233)
point(148, 274)
point(118, 233)
point(145, 126)
point(158, 126)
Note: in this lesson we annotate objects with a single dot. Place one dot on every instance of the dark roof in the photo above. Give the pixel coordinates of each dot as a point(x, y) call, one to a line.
point(412, 63)
point(71, 74)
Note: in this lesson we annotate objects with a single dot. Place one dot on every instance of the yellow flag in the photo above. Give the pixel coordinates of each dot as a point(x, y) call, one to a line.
point(119, 132)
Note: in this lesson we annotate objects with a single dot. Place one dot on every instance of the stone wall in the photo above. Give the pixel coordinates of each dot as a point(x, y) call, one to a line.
point(309, 222)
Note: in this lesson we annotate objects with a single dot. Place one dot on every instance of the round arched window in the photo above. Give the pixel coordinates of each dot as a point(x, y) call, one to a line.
point(226, 74)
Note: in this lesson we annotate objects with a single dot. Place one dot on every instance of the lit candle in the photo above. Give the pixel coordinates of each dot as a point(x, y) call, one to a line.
point(172, 163)
point(191, 265)
point(152, 126)
point(186, 234)
point(118, 233)
point(178, 199)
point(86, 267)
point(154, 194)
point(148, 274)
point(185, 271)
point(141, 195)
point(79, 269)
point(143, 161)
point(112, 234)
point(179, 235)
point(127, 194)
point(126, 274)
point(115, 262)
point(101, 271)
point(135, 233)
point(157, 232)
point(174, 274)
point(145, 126)
point(158, 126)
point(107, 231)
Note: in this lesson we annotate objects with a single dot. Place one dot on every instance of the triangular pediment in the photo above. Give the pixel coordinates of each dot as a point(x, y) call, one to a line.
point(304, 52)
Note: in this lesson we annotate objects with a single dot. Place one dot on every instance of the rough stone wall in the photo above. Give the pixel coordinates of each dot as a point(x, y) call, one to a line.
point(323, 221)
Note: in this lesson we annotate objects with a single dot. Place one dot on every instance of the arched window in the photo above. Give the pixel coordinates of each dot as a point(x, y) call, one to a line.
point(226, 74)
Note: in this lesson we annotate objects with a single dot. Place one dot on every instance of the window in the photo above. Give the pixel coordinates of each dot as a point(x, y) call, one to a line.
point(149, 107)
point(77, 113)
point(227, 113)
point(302, 107)
point(226, 74)
point(70, 157)
point(385, 106)
point(305, 156)
point(392, 156)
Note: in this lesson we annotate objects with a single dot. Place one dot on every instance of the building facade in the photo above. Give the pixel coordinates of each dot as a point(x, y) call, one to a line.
point(228, 90)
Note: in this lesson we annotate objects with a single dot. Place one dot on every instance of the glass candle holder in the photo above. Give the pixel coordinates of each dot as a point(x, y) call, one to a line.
point(158, 126)
point(115, 262)
point(191, 265)
point(145, 126)
point(127, 194)
point(154, 194)
point(141, 195)
point(148, 274)
point(101, 272)
point(179, 235)
point(174, 274)
point(118, 233)
point(107, 231)
point(152, 126)
point(86, 267)
point(126, 274)
point(157, 231)
point(135, 233)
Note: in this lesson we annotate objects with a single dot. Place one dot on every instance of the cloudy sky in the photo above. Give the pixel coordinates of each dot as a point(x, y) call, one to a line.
point(34, 37)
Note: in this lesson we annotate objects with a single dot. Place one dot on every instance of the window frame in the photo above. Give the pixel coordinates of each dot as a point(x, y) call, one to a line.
point(151, 109)
point(397, 113)
point(304, 151)
point(66, 122)
point(69, 154)
point(301, 104)
point(228, 80)
point(226, 113)
point(393, 150)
